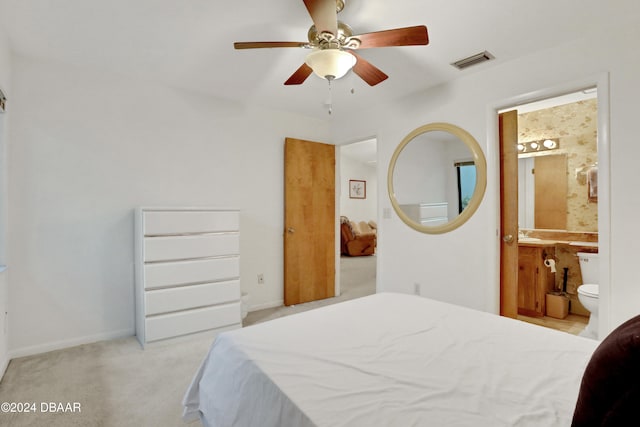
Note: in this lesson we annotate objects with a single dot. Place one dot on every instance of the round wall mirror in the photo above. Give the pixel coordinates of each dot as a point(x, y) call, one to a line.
point(437, 178)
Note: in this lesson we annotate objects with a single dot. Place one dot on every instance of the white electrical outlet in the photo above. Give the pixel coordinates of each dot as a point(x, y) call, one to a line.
point(260, 279)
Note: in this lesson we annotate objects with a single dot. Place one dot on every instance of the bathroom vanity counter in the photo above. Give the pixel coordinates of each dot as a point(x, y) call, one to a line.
point(572, 238)
point(536, 242)
point(591, 247)
point(578, 246)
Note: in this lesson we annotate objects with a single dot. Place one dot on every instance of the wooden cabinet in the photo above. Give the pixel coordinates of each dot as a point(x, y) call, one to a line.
point(535, 280)
point(187, 272)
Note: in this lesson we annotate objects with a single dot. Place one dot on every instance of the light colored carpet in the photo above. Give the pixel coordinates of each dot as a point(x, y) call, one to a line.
point(116, 382)
point(119, 384)
point(357, 279)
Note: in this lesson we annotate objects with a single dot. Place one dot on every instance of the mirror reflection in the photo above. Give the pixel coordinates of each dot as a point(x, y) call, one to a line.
point(557, 188)
point(430, 187)
point(434, 177)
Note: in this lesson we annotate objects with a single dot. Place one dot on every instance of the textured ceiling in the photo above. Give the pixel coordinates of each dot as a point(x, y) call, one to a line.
point(189, 43)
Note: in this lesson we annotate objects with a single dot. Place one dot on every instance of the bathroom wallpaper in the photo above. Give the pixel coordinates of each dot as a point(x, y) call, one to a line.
point(575, 126)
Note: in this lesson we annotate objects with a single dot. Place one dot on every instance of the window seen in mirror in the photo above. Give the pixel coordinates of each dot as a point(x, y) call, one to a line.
point(466, 172)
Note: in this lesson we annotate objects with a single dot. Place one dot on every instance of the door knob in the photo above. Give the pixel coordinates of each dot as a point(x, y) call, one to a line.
point(291, 230)
point(507, 238)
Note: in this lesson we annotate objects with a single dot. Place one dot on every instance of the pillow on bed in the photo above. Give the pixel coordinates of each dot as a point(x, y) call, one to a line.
point(610, 390)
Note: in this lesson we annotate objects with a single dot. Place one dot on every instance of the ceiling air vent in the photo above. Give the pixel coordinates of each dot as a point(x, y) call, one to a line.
point(473, 60)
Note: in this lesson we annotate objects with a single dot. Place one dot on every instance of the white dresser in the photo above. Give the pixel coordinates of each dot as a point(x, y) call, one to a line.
point(429, 214)
point(187, 263)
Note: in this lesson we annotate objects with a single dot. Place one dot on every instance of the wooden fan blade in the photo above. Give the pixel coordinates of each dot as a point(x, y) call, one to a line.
point(409, 36)
point(261, 45)
point(367, 71)
point(324, 15)
point(300, 75)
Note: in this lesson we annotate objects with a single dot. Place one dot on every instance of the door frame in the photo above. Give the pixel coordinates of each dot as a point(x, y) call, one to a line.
point(601, 81)
point(370, 190)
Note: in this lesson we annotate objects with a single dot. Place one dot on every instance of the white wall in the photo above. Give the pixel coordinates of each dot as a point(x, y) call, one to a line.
point(462, 266)
point(358, 209)
point(419, 174)
point(86, 149)
point(5, 66)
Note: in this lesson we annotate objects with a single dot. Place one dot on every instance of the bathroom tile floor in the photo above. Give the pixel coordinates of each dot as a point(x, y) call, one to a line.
point(573, 323)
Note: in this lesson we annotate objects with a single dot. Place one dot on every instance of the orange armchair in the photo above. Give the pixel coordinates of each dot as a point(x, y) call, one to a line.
point(356, 239)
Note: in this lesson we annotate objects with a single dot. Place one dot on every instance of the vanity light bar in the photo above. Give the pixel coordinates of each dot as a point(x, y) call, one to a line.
point(538, 146)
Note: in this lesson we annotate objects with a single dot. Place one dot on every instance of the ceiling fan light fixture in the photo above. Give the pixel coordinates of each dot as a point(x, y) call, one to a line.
point(330, 64)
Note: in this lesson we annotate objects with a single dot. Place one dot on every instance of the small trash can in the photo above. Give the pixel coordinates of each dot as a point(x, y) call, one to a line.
point(557, 305)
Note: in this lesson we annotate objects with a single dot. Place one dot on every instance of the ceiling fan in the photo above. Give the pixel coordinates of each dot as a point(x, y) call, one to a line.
point(334, 45)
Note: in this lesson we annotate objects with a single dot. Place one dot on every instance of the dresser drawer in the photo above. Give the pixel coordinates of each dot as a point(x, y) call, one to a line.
point(433, 210)
point(185, 222)
point(186, 297)
point(171, 248)
point(192, 321)
point(167, 274)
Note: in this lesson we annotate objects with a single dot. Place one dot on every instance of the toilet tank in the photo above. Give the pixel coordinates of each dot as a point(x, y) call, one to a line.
point(589, 267)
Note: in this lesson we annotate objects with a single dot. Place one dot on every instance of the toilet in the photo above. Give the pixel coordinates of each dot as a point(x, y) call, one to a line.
point(588, 292)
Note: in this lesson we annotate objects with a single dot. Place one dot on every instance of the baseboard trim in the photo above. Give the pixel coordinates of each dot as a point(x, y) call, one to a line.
point(59, 345)
point(266, 305)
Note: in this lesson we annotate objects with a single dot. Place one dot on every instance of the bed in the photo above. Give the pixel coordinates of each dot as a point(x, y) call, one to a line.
point(390, 359)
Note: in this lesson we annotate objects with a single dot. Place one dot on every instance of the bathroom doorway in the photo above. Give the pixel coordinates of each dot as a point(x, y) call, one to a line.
point(556, 147)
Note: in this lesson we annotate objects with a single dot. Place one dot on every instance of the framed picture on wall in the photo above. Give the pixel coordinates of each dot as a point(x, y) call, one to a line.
point(357, 189)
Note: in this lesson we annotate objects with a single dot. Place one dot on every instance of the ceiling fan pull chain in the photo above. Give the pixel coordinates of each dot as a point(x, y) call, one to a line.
point(330, 98)
point(353, 90)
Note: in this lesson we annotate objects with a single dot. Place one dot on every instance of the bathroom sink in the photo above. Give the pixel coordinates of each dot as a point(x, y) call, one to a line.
point(528, 239)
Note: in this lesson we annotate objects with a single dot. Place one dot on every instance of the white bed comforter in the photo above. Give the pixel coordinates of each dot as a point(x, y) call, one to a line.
point(390, 360)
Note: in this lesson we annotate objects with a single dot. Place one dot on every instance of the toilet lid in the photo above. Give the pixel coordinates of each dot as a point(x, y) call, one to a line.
point(591, 290)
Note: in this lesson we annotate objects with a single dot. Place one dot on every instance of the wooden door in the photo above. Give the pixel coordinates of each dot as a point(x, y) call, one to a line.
point(550, 189)
point(508, 131)
point(309, 221)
